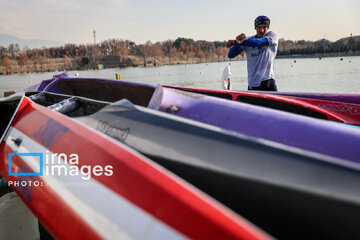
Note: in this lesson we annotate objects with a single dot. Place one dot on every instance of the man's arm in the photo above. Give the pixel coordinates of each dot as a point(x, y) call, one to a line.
point(236, 45)
point(235, 50)
point(256, 42)
point(250, 42)
point(271, 38)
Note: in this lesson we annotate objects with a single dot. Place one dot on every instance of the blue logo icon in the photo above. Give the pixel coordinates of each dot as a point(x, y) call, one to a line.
point(40, 155)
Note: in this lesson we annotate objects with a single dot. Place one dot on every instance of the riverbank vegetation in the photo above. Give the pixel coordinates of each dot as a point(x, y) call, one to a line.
point(123, 53)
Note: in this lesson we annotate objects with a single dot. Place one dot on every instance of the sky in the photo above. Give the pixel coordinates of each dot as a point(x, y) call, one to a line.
point(73, 21)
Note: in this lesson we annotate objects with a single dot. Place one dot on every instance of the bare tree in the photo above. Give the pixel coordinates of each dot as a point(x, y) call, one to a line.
point(11, 50)
point(222, 52)
point(39, 61)
point(200, 54)
point(145, 51)
point(2, 52)
point(155, 51)
point(6, 62)
point(122, 50)
point(190, 55)
point(172, 53)
point(67, 61)
point(22, 60)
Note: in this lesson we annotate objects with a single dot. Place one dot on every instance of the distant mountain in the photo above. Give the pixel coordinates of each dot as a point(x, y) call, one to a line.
point(6, 40)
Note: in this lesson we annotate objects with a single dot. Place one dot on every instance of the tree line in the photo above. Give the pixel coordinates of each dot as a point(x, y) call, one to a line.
point(322, 47)
point(179, 49)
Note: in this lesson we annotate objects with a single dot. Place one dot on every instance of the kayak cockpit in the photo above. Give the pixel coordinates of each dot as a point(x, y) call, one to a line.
point(71, 106)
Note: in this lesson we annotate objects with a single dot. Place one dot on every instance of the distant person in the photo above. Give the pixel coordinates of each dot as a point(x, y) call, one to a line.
point(260, 51)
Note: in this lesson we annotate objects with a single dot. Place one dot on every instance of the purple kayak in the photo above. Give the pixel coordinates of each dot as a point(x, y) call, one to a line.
point(43, 84)
point(96, 88)
point(320, 136)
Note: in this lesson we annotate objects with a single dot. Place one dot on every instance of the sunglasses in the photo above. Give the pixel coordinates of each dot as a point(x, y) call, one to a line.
point(262, 18)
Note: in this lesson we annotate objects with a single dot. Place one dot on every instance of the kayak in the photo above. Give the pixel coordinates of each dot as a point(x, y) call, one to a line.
point(324, 137)
point(140, 94)
point(81, 184)
point(343, 112)
point(336, 97)
point(96, 88)
point(320, 136)
point(234, 94)
point(286, 191)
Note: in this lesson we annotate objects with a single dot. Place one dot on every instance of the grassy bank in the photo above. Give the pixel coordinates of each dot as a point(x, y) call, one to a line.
point(63, 64)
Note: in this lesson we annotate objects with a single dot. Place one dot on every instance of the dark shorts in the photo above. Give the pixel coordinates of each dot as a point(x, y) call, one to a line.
point(267, 85)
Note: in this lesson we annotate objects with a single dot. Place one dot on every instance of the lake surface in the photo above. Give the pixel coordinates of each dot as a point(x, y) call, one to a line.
point(292, 75)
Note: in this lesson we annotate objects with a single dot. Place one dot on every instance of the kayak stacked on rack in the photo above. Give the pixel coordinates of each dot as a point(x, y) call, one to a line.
point(228, 167)
point(305, 131)
point(293, 173)
point(312, 134)
point(235, 95)
point(342, 108)
point(81, 184)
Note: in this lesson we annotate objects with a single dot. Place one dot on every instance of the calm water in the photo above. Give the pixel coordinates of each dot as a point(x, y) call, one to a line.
point(295, 75)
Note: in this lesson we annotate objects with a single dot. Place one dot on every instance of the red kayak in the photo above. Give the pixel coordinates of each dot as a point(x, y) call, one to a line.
point(342, 112)
point(80, 184)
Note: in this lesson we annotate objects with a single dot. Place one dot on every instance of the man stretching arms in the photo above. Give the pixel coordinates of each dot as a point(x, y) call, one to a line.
point(260, 51)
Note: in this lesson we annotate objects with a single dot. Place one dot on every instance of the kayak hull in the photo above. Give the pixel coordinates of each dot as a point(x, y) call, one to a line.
point(96, 204)
point(320, 136)
point(234, 94)
point(241, 172)
point(316, 107)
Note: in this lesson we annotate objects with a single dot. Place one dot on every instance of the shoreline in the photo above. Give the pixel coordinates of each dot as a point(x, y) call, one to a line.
point(100, 64)
point(136, 62)
point(320, 55)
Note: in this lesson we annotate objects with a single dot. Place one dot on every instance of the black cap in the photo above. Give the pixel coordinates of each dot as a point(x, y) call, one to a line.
point(262, 20)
